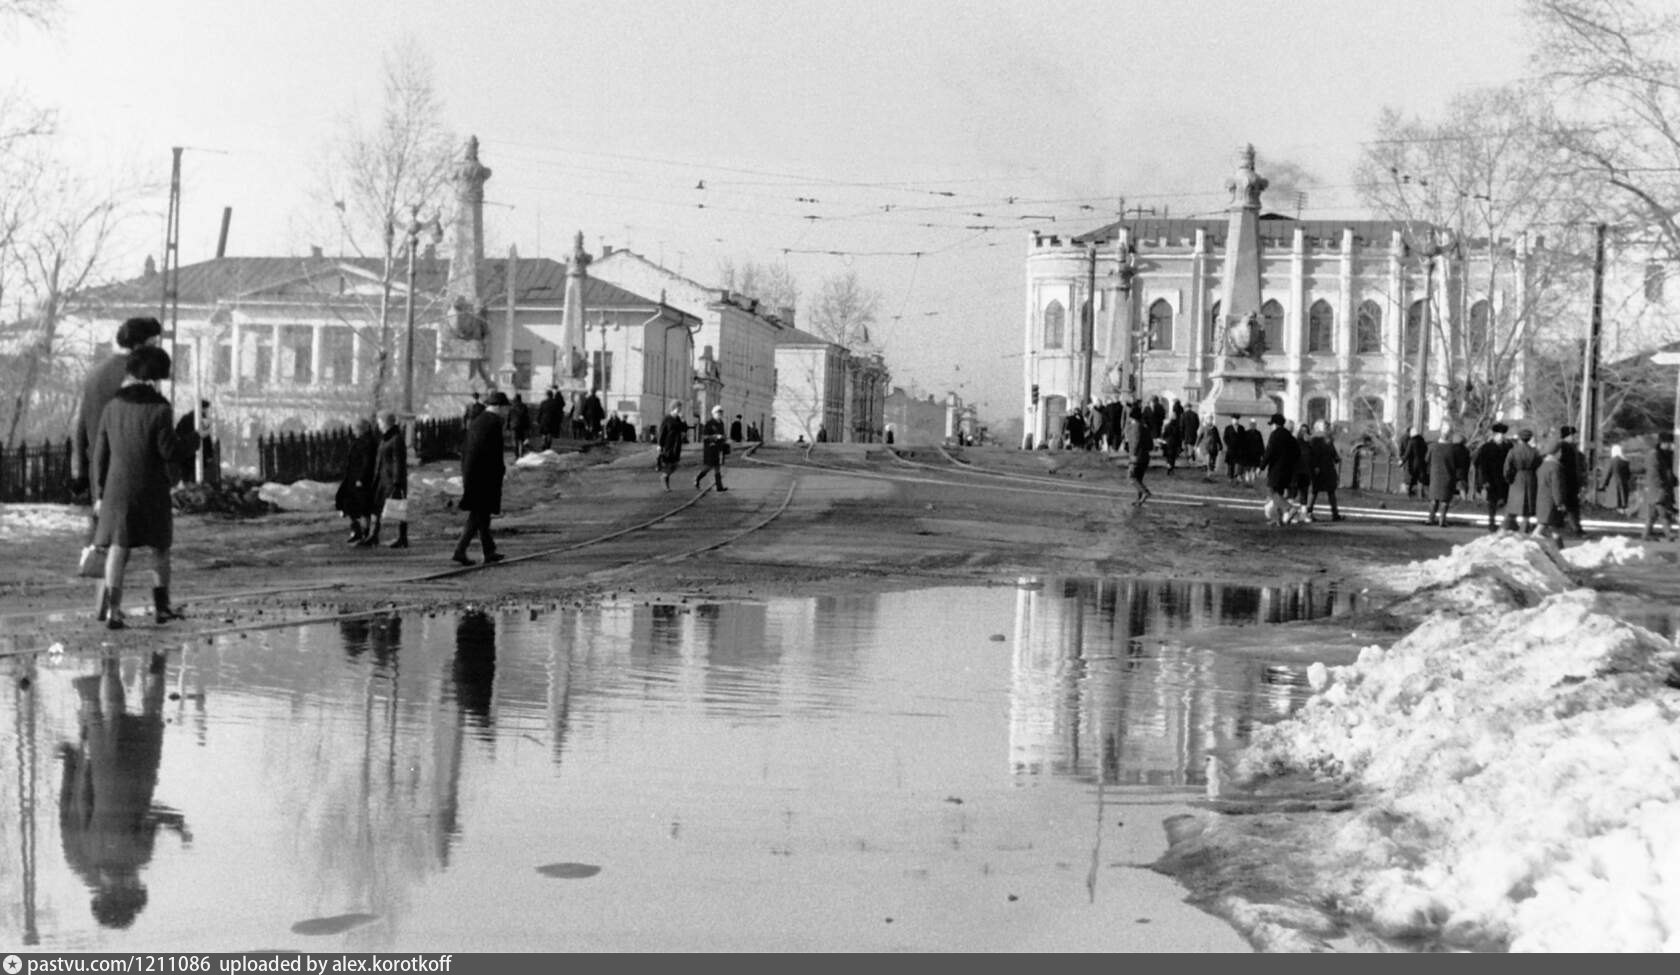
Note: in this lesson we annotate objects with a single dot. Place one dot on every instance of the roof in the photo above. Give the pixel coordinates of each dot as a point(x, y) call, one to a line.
point(538, 280)
point(795, 336)
point(1185, 228)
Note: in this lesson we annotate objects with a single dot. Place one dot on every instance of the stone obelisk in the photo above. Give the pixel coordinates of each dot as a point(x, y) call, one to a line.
point(571, 373)
point(1239, 373)
point(464, 338)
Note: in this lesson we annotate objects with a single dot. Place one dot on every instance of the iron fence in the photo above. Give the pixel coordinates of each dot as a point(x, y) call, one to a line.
point(287, 457)
point(38, 473)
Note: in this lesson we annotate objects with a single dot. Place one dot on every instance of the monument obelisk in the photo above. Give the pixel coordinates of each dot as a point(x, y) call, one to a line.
point(463, 341)
point(1239, 374)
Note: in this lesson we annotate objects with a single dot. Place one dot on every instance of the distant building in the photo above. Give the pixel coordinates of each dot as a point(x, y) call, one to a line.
point(811, 387)
point(916, 420)
point(1340, 308)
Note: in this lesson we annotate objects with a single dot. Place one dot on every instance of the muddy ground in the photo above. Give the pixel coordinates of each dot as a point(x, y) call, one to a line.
point(834, 519)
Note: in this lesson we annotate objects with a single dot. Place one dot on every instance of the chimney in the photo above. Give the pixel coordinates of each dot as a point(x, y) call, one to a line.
point(606, 250)
point(785, 313)
point(315, 250)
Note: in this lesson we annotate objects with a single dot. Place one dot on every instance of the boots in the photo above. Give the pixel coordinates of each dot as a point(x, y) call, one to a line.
point(113, 610)
point(371, 539)
point(162, 612)
point(356, 533)
point(402, 535)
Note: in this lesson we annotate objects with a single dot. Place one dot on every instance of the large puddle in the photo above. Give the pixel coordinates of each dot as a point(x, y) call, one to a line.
point(944, 769)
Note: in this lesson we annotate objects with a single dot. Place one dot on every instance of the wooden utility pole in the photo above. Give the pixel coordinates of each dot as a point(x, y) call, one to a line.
point(1589, 371)
point(169, 312)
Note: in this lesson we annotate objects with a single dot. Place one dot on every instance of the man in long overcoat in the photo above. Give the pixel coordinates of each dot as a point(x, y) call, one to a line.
point(1522, 465)
point(1572, 467)
point(482, 467)
point(1489, 469)
point(101, 384)
point(673, 430)
point(1282, 455)
point(1414, 461)
point(1444, 475)
point(1233, 448)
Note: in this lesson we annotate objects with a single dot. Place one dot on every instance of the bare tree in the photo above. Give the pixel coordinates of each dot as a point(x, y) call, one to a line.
point(375, 176)
point(1478, 191)
point(61, 237)
point(844, 310)
point(773, 285)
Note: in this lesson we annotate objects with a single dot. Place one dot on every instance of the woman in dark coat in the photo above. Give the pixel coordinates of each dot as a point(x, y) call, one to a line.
point(355, 493)
point(130, 460)
point(390, 480)
point(673, 430)
point(1326, 469)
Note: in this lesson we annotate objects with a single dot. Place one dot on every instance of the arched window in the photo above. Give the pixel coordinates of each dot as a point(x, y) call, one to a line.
point(1368, 409)
point(1369, 339)
point(1212, 325)
point(1414, 326)
point(1318, 408)
point(1271, 326)
point(1481, 331)
point(1054, 320)
point(1161, 325)
point(1321, 327)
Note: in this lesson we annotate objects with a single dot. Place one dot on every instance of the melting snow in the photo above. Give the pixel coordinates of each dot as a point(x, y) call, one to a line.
point(1513, 766)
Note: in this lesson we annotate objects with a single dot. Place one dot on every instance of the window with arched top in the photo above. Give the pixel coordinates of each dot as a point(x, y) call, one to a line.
point(1212, 325)
point(1054, 323)
point(1160, 325)
point(1318, 408)
point(1481, 329)
point(1271, 325)
point(1414, 326)
point(1368, 332)
point(1321, 325)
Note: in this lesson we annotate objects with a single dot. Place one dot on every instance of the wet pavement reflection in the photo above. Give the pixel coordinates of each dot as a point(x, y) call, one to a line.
point(938, 769)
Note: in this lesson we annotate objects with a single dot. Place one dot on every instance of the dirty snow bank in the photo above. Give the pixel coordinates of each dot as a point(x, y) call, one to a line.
point(1515, 774)
point(425, 490)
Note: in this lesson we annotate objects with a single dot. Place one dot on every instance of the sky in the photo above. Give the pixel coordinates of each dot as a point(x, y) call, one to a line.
point(915, 143)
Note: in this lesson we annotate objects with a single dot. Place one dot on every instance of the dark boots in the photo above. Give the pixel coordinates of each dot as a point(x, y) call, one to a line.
point(402, 535)
point(162, 612)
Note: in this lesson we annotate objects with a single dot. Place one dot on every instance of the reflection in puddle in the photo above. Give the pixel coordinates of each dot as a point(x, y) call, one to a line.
point(771, 775)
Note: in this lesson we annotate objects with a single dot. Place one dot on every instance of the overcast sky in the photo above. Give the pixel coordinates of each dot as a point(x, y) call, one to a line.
point(915, 142)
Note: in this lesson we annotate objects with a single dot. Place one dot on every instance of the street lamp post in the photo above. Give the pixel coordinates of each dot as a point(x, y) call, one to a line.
point(415, 226)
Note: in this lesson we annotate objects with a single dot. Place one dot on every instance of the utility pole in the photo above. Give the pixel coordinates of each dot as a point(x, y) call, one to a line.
point(1087, 324)
point(1589, 372)
point(170, 309)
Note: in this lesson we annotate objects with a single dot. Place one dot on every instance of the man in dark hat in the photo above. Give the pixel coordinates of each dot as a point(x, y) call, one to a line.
point(482, 467)
point(1571, 470)
point(1282, 456)
point(1522, 466)
point(1488, 470)
point(98, 388)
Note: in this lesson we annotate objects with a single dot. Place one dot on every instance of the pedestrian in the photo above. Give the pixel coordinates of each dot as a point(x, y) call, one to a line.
point(390, 479)
point(1172, 438)
point(1572, 469)
point(1137, 436)
point(1254, 449)
point(714, 446)
point(1325, 462)
point(1282, 455)
point(1233, 448)
point(482, 467)
point(593, 413)
point(1488, 470)
point(190, 427)
point(1414, 462)
point(1192, 426)
point(1443, 477)
point(1522, 466)
point(1618, 475)
point(1656, 488)
point(1304, 472)
point(354, 499)
point(474, 408)
point(673, 430)
point(1209, 446)
point(1551, 514)
point(519, 419)
point(1073, 429)
point(545, 419)
point(101, 384)
point(132, 451)
point(822, 433)
point(736, 430)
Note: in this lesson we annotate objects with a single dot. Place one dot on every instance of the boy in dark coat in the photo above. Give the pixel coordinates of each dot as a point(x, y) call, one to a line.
point(482, 467)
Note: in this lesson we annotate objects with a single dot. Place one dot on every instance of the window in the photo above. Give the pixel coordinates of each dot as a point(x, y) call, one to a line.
point(521, 368)
point(1271, 325)
point(600, 370)
point(1369, 339)
point(1053, 322)
point(224, 363)
point(1481, 333)
point(1161, 325)
point(1414, 326)
point(1654, 275)
point(1318, 408)
point(1212, 324)
point(1321, 322)
point(338, 353)
point(1368, 409)
point(297, 357)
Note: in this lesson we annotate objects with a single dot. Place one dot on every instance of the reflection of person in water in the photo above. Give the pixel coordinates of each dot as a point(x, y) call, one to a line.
point(475, 666)
point(383, 635)
point(106, 816)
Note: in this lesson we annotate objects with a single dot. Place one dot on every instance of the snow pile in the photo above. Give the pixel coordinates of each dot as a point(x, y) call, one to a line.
point(302, 495)
point(1600, 552)
point(1516, 775)
point(1526, 564)
point(25, 521)
point(570, 460)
